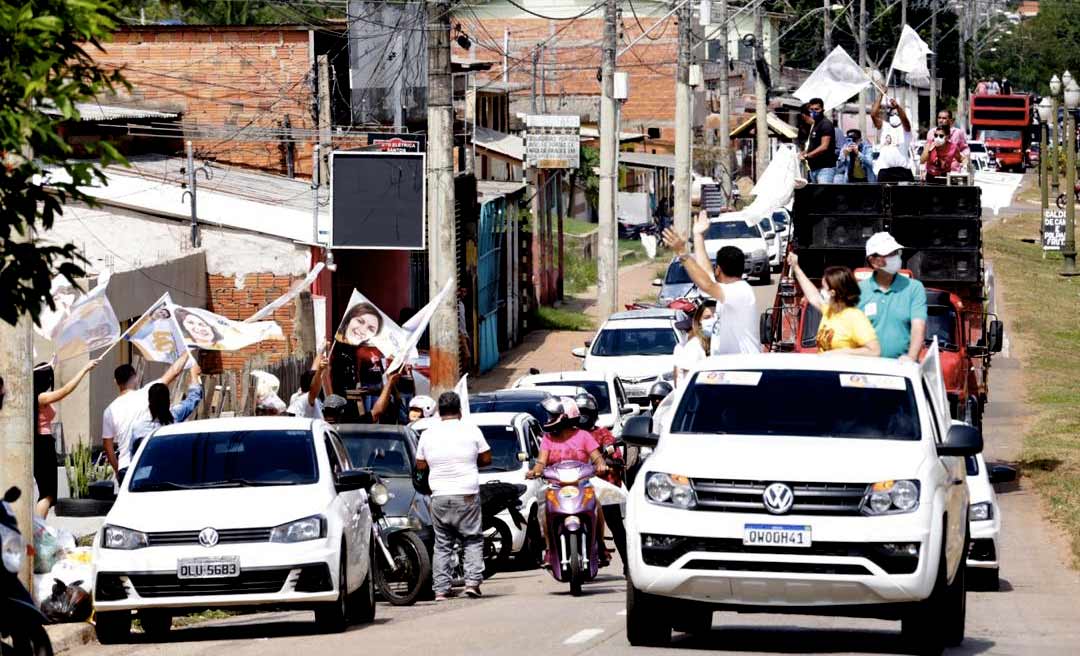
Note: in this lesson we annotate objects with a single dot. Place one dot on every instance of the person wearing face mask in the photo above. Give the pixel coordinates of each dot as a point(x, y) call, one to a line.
point(894, 142)
point(843, 329)
point(856, 161)
point(940, 157)
point(819, 154)
point(697, 345)
point(953, 134)
point(894, 304)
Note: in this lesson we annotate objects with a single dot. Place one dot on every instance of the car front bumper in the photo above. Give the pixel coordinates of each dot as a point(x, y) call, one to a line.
point(270, 574)
point(756, 266)
point(983, 550)
point(840, 568)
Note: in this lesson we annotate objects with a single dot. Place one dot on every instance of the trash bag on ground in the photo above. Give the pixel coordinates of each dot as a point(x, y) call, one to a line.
point(67, 603)
point(50, 545)
point(76, 566)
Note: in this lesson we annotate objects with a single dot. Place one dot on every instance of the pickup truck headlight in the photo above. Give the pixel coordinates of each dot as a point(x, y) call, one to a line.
point(980, 512)
point(302, 530)
point(118, 537)
point(12, 549)
point(891, 497)
point(670, 489)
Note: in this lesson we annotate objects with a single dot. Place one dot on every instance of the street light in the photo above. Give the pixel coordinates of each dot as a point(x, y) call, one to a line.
point(1072, 100)
point(1055, 91)
point(1046, 108)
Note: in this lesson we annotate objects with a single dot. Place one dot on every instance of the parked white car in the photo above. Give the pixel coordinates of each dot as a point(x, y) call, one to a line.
point(510, 435)
point(813, 485)
point(984, 553)
point(612, 403)
point(750, 239)
point(785, 231)
point(637, 346)
point(253, 511)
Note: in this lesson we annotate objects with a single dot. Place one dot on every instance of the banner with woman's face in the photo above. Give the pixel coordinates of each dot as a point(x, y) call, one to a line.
point(364, 324)
point(212, 332)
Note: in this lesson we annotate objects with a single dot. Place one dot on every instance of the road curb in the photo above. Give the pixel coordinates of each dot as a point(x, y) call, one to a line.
point(65, 637)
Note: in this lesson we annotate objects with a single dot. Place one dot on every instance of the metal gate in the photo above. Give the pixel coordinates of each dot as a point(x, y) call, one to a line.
point(489, 251)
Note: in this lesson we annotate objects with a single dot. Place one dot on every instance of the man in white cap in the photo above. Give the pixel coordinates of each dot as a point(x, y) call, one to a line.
point(895, 304)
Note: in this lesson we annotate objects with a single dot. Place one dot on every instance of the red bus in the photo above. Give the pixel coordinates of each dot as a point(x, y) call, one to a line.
point(1004, 124)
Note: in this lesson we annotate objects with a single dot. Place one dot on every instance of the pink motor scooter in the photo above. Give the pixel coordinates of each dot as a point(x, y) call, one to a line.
point(571, 524)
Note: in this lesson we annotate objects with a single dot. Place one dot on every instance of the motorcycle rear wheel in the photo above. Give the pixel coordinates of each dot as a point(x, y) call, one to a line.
point(403, 586)
point(577, 575)
point(33, 642)
point(498, 546)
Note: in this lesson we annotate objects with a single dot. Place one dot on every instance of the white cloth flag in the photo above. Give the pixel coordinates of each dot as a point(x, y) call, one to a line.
point(774, 189)
point(417, 326)
point(293, 292)
point(156, 334)
point(462, 390)
point(212, 332)
point(835, 80)
point(81, 322)
point(997, 188)
point(911, 54)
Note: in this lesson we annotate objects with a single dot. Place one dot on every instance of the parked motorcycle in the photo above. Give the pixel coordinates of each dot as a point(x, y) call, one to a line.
point(402, 561)
point(495, 497)
point(571, 524)
point(22, 625)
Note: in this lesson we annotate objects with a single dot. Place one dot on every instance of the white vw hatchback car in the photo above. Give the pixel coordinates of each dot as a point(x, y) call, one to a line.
point(815, 485)
point(236, 512)
point(637, 346)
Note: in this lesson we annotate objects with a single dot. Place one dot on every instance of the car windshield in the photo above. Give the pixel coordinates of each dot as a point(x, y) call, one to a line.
point(732, 230)
point(677, 275)
point(815, 404)
point(616, 342)
point(941, 323)
point(531, 406)
point(384, 453)
point(1012, 135)
point(780, 219)
point(598, 388)
point(976, 147)
point(226, 459)
point(505, 447)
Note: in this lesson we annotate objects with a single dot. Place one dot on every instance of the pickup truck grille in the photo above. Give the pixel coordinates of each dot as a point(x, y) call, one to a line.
point(810, 498)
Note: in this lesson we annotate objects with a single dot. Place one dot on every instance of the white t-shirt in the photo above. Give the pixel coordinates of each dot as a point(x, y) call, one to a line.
point(894, 146)
point(687, 355)
point(299, 407)
point(736, 329)
point(121, 417)
point(450, 448)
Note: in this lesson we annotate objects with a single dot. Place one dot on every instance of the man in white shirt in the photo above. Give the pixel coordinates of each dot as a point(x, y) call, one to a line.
point(306, 403)
point(129, 408)
point(736, 327)
point(893, 163)
point(452, 452)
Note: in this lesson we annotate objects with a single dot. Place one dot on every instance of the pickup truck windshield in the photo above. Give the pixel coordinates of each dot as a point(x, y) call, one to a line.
point(799, 403)
point(731, 230)
point(618, 342)
point(226, 459)
point(598, 388)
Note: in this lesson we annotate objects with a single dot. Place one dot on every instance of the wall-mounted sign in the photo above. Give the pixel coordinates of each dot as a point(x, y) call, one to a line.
point(552, 142)
point(377, 200)
point(1053, 229)
point(397, 143)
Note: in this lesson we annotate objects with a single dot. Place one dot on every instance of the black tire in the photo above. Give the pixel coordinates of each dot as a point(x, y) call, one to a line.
point(155, 624)
point(405, 585)
point(498, 546)
point(112, 627)
point(333, 617)
point(363, 600)
point(985, 580)
point(939, 621)
point(532, 553)
point(766, 277)
point(647, 622)
point(82, 507)
point(577, 574)
point(33, 642)
point(694, 620)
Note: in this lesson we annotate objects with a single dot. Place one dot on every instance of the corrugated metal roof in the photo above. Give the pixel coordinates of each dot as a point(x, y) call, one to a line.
point(648, 159)
point(488, 189)
point(99, 112)
point(500, 142)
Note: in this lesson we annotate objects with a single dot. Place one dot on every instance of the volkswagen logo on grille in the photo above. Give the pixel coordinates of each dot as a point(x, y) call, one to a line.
point(778, 498)
point(208, 537)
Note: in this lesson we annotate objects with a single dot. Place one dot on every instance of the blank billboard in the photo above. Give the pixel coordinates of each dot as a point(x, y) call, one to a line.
point(377, 200)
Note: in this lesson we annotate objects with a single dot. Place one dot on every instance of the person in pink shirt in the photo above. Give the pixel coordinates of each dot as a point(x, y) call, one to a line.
point(941, 157)
point(955, 135)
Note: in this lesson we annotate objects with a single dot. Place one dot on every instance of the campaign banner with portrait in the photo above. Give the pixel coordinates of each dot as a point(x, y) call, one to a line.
point(80, 323)
point(364, 324)
point(294, 291)
point(415, 329)
point(212, 332)
point(156, 334)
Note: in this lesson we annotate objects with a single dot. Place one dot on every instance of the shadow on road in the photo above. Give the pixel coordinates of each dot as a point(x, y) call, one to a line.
point(797, 640)
point(253, 630)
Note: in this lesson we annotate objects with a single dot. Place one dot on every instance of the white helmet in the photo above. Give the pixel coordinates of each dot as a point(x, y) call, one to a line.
point(425, 404)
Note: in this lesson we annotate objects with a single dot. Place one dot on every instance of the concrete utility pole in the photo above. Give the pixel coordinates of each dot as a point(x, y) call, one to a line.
point(761, 103)
point(442, 237)
point(827, 40)
point(535, 60)
point(933, 61)
point(725, 103)
point(17, 427)
point(862, 65)
point(607, 260)
point(315, 194)
point(506, 55)
point(961, 95)
point(684, 128)
point(192, 181)
point(324, 114)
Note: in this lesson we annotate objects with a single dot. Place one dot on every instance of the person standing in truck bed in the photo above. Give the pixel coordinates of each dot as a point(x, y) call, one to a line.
point(895, 304)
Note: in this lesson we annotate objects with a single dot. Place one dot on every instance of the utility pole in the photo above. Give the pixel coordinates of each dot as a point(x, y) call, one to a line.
point(961, 96)
point(862, 65)
point(17, 428)
point(827, 40)
point(761, 103)
point(442, 240)
point(506, 55)
point(1055, 137)
point(192, 190)
point(903, 14)
point(315, 194)
point(607, 260)
point(535, 59)
point(725, 103)
point(683, 122)
point(933, 61)
point(1068, 251)
point(324, 113)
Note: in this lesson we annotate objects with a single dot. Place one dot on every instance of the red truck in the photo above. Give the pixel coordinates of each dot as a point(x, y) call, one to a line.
point(1004, 123)
point(943, 250)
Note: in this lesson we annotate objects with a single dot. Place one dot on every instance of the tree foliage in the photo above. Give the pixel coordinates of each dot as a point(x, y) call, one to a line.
point(229, 12)
point(45, 69)
point(1037, 49)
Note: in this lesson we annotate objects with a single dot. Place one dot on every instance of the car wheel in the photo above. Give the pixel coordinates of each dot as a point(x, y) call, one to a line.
point(333, 617)
point(694, 620)
point(363, 603)
point(533, 553)
point(647, 621)
point(939, 621)
point(766, 277)
point(155, 624)
point(498, 545)
point(112, 627)
point(404, 582)
point(986, 580)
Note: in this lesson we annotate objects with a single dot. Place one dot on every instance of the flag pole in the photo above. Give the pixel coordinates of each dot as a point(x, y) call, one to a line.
point(153, 306)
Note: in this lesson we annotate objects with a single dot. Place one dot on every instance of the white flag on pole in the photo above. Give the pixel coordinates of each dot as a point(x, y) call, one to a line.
point(417, 326)
point(835, 80)
point(293, 292)
point(911, 54)
point(156, 334)
point(81, 322)
point(462, 390)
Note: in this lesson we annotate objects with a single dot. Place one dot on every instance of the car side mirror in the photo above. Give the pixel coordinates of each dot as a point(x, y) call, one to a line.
point(522, 456)
point(995, 336)
point(353, 479)
point(1002, 474)
point(578, 351)
point(638, 431)
point(630, 409)
point(962, 440)
point(657, 282)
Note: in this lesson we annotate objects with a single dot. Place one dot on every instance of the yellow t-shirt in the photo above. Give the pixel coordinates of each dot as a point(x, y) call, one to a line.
point(848, 328)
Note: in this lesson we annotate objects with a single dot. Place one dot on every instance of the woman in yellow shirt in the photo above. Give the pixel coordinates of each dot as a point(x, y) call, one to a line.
point(843, 328)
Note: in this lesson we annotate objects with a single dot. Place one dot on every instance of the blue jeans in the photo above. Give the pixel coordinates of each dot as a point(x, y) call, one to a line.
point(822, 176)
point(457, 518)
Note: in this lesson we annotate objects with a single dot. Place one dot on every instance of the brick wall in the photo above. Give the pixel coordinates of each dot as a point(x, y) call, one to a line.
point(238, 304)
point(226, 80)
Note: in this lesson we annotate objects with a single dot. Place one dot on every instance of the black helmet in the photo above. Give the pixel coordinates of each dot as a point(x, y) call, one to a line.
point(561, 411)
point(659, 390)
point(586, 404)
